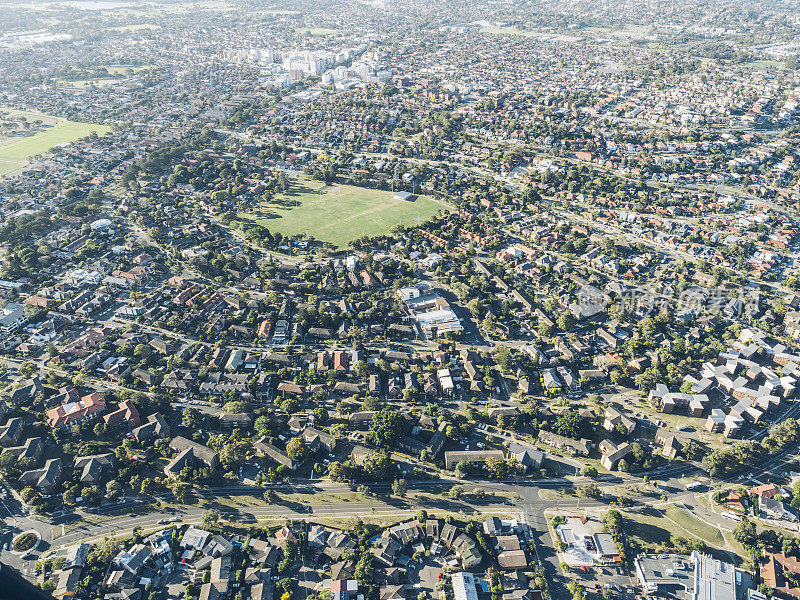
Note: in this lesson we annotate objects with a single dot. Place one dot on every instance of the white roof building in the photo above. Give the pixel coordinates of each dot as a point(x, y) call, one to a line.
point(464, 586)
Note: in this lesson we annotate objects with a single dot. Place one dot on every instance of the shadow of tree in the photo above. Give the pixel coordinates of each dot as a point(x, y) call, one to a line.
point(445, 504)
point(284, 202)
point(649, 532)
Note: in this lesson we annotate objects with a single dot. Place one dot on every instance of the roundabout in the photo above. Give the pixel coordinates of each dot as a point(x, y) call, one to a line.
point(25, 541)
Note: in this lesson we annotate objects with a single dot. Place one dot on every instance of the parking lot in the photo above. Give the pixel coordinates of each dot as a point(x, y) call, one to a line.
point(611, 577)
point(424, 574)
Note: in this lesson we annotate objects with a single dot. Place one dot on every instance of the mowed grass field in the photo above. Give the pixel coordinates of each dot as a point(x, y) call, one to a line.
point(765, 64)
point(512, 30)
point(15, 152)
point(135, 27)
point(116, 73)
point(318, 31)
point(340, 213)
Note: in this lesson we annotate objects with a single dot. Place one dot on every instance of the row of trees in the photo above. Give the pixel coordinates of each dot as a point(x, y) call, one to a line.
point(748, 453)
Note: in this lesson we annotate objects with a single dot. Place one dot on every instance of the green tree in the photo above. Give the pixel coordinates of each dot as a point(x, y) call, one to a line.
point(503, 358)
point(361, 369)
point(364, 571)
point(182, 492)
point(80, 380)
point(320, 416)
point(192, 418)
point(400, 487)
point(296, 448)
point(262, 425)
point(386, 426)
point(377, 465)
point(371, 403)
point(692, 450)
point(572, 425)
point(745, 533)
point(566, 321)
point(27, 494)
point(290, 405)
point(210, 517)
point(113, 489)
point(589, 491)
point(576, 590)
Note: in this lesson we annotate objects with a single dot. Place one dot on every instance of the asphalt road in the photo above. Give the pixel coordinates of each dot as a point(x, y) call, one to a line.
point(522, 499)
point(527, 504)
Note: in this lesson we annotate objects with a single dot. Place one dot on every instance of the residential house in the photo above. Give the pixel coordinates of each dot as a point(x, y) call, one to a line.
point(73, 412)
point(612, 453)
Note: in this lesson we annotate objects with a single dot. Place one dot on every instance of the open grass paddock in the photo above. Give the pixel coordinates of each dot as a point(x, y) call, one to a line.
point(340, 213)
point(17, 150)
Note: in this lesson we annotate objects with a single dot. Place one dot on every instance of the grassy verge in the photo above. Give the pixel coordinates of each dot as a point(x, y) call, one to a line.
point(693, 526)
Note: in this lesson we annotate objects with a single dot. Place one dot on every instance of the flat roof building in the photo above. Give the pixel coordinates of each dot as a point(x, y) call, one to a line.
point(464, 586)
point(696, 577)
point(713, 579)
point(12, 317)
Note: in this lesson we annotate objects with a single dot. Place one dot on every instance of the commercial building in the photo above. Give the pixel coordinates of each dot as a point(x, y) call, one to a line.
point(697, 577)
point(12, 317)
point(431, 310)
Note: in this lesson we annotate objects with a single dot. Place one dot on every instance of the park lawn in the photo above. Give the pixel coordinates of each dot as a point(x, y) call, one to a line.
point(135, 27)
point(116, 73)
point(81, 83)
point(340, 213)
point(512, 30)
point(64, 131)
point(26, 115)
point(123, 69)
point(764, 64)
point(327, 498)
point(318, 31)
point(7, 166)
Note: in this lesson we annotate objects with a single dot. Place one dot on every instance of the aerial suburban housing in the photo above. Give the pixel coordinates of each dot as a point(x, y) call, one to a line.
point(399, 300)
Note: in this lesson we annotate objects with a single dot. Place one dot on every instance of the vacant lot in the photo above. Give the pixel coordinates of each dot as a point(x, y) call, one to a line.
point(15, 152)
point(655, 526)
point(649, 530)
point(340, 213)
